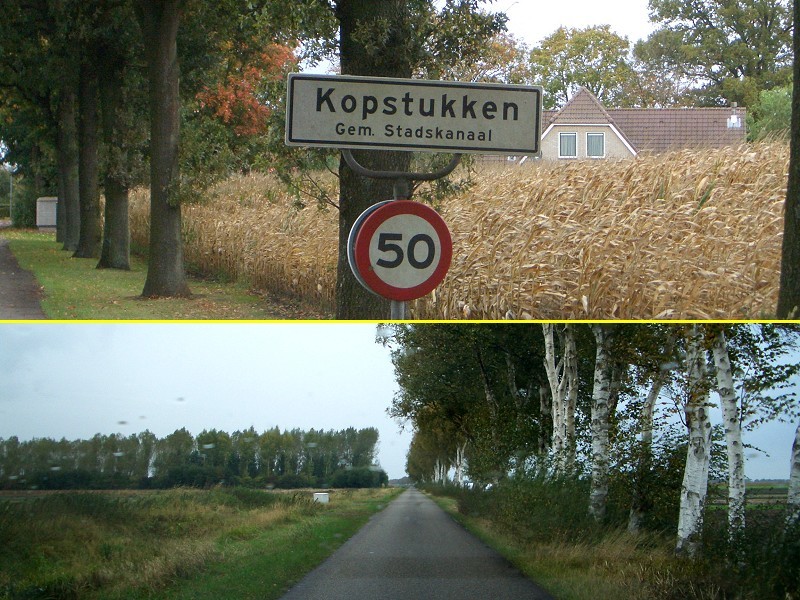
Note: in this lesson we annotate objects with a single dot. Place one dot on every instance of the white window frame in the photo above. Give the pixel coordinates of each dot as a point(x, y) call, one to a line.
point(560, 146)
point(603, 136)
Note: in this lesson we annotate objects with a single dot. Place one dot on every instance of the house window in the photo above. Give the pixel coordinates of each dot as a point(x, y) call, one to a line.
point(568, 145)
point(595, 145)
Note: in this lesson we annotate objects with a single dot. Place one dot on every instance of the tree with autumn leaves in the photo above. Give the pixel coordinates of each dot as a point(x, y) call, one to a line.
point(213, 74)
point(85, 70)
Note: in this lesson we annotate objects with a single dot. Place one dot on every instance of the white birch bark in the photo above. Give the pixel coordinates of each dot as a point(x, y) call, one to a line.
point(601, 393)
point(440, 472)
point(555, 379)
point(733, 436)
point(695, 477)
point(563, 379)
point(571, 401)
point(458, 476)
point(793, 499)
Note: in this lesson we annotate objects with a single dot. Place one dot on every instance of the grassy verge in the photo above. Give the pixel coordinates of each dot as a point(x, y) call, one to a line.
point(613, 567)
point(221, 543)
point(544, 529)
point(76, 289)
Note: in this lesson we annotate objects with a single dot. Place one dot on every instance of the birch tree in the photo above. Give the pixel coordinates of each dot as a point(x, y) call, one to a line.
point(732, 422)
point(600, 423)
point(793, 500)
point(698, 455)
point(563, 379)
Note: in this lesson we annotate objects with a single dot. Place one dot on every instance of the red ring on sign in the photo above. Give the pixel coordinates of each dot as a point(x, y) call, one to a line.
point(368, 230)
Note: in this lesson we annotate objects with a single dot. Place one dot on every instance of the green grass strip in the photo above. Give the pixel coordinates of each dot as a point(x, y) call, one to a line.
point(75, 289)
point(264, 567)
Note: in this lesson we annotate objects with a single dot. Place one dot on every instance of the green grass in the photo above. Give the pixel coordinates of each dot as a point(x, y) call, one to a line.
point(75, 289)
point(266, 566)
point(610, 567)
point(220, 543)
point(540, 527)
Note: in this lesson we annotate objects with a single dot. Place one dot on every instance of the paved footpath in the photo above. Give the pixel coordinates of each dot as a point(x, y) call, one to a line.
point(20, 293)
point(413, 550)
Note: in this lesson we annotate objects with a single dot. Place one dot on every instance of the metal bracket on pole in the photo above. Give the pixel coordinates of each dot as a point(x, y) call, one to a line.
point(402, 191)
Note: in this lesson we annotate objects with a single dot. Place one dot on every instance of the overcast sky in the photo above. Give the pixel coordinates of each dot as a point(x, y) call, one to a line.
point(532, 20)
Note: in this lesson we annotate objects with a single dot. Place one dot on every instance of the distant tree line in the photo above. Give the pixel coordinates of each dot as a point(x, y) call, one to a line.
point(273, 458)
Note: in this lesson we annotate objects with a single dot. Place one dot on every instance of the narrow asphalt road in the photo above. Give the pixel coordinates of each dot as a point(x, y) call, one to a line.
point(413, 550)
point(19, 290)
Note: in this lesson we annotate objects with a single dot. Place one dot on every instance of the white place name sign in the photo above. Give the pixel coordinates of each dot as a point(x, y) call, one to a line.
point(413, 114)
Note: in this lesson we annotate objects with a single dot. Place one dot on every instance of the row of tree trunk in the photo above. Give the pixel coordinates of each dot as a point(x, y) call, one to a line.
point(86, 118)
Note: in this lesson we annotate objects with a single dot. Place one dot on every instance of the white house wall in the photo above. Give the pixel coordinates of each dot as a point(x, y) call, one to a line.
point(615, 146)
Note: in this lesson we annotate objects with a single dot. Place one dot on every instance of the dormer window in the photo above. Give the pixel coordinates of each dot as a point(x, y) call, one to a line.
point(734, 122)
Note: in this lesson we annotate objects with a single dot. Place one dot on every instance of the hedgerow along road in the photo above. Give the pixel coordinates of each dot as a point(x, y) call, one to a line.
point(413, 550)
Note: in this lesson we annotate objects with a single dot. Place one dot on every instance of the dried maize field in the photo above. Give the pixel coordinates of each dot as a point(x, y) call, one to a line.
point(685, 235)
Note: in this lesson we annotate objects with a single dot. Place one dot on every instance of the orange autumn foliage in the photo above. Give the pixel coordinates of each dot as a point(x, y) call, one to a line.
point(238, 100)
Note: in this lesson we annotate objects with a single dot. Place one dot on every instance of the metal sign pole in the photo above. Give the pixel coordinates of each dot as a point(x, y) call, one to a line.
point(402, 191)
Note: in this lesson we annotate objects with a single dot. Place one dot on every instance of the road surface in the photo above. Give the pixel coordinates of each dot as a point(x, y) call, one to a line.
point(413, 550)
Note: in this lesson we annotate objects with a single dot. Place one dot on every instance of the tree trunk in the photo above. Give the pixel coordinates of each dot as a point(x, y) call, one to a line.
point(601, 393)
point(793, 498)
point(733, 436)
point(698, 455)
point(165, 272)
point(115, 253)
point(69, 216)
point(358, 193)
point(89, 242)
point(554, 377)
point(789, 293)
point(545, 419)
point(458, 476)
point(491, 400)
point(639, 501)
point(570, 405)
point(563, 379)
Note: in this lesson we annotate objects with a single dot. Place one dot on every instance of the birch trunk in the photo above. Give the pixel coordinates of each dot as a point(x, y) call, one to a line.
point(545, 418)
point(563, 379)
point(571, 376)
point(695, 478)
point(639, 503)
point(793, 500)
point(554, 378)
point(733, 436)
point(601, 394)
point(458, 476)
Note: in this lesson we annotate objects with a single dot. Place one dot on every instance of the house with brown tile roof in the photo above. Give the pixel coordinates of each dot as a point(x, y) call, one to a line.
point(585, 129)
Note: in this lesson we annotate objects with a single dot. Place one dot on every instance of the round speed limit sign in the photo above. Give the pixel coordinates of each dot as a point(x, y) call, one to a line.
point(401, 249)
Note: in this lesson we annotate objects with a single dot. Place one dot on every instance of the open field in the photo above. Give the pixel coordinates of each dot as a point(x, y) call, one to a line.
point(691, 234)
point(219, 543)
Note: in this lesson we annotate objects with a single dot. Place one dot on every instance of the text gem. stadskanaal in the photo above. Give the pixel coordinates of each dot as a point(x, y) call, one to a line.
point(409, 114)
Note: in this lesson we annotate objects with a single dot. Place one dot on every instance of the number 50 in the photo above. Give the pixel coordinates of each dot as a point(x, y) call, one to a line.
point(386, 244)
